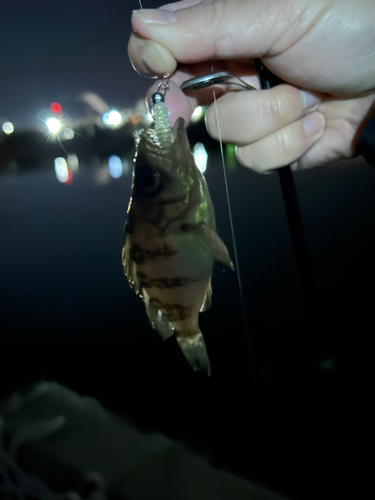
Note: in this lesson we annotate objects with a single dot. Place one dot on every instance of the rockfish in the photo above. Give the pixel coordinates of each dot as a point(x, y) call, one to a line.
point(171, 241)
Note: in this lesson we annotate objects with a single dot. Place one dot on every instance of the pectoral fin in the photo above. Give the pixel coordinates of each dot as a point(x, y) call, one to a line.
point(212, 243)
point(219, 250)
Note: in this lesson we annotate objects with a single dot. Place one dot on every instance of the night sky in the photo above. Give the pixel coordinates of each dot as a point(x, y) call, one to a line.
point(296, 379)
point(53, 51)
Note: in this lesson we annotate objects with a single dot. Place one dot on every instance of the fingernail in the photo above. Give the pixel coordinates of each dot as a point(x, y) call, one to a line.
point(158, 60)
point(155, 16)
point(312, 123)
point(309, 100)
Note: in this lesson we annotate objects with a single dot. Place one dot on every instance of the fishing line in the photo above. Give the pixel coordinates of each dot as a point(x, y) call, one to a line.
point(236, 260)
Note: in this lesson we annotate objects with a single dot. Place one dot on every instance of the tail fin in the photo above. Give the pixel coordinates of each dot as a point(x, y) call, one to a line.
point(194, 350)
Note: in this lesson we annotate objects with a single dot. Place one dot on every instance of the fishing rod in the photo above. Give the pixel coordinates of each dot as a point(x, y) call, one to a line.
point(304, 267)
point(293, 212)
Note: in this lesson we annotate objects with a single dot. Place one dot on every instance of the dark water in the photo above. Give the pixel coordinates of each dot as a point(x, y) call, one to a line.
point(288, 401)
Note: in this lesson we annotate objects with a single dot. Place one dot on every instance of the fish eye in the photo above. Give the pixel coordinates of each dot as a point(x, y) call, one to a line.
point(147, 180)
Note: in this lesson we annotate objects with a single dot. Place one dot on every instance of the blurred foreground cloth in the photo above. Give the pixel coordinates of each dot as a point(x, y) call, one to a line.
point(60, 436)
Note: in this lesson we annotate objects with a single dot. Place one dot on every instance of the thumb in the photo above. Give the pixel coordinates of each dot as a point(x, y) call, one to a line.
point(216, 29)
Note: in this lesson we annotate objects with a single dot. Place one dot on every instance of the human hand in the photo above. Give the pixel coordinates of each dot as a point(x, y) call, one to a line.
point(322, 50)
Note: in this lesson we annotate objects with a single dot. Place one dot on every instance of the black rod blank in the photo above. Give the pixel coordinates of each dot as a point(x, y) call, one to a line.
point(269, 80)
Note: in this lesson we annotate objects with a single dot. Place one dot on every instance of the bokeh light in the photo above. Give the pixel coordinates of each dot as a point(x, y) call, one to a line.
point(55, 107)
point(135, 119)
point(112, 118)
point(126, 166)
point(200, 157)
point(115, 166)
point(8, 128)
point(73, 162)
point(102, 176)
point(198, 114)
point(63, 174)
point(68, 133)
point(54, 125)
point(230, 156)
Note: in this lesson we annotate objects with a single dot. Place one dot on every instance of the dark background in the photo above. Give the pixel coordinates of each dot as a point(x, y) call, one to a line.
point(288, 401)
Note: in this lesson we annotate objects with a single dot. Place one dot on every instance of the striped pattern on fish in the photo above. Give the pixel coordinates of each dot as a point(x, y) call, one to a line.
point(171, 241)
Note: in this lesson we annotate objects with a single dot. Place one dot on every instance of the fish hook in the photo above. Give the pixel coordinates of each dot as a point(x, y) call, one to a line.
point(161, 90)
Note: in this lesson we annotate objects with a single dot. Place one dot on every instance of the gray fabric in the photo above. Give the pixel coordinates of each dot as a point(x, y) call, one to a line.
point(15, 483)
point(54, 423)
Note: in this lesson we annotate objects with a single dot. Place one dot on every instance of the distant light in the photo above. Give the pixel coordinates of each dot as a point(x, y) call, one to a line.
point(125, 167)
point(135, 119)
point(73, 162)
point(68, 134)
point(115, 166)
point(197, 114)
point(70, 177)
point(62, 171)
point(102, 176)
point(200, 157)
point(112, 118)
point(8, 128)
point(54, 125)
point(125, 115)
point(230, 156)
point(55, 107)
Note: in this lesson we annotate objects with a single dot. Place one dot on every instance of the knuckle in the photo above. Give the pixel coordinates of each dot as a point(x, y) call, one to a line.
point(216, 16)
point(285, 142)
point(273, 108)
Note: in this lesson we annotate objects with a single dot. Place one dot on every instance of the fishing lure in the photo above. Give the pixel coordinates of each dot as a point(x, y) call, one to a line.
point(171, 241)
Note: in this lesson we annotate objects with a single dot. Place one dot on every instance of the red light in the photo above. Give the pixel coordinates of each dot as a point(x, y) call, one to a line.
point(55, 107)
point(69, 180)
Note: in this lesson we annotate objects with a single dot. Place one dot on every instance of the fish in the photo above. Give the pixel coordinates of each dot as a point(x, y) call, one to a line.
point(171, 242)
